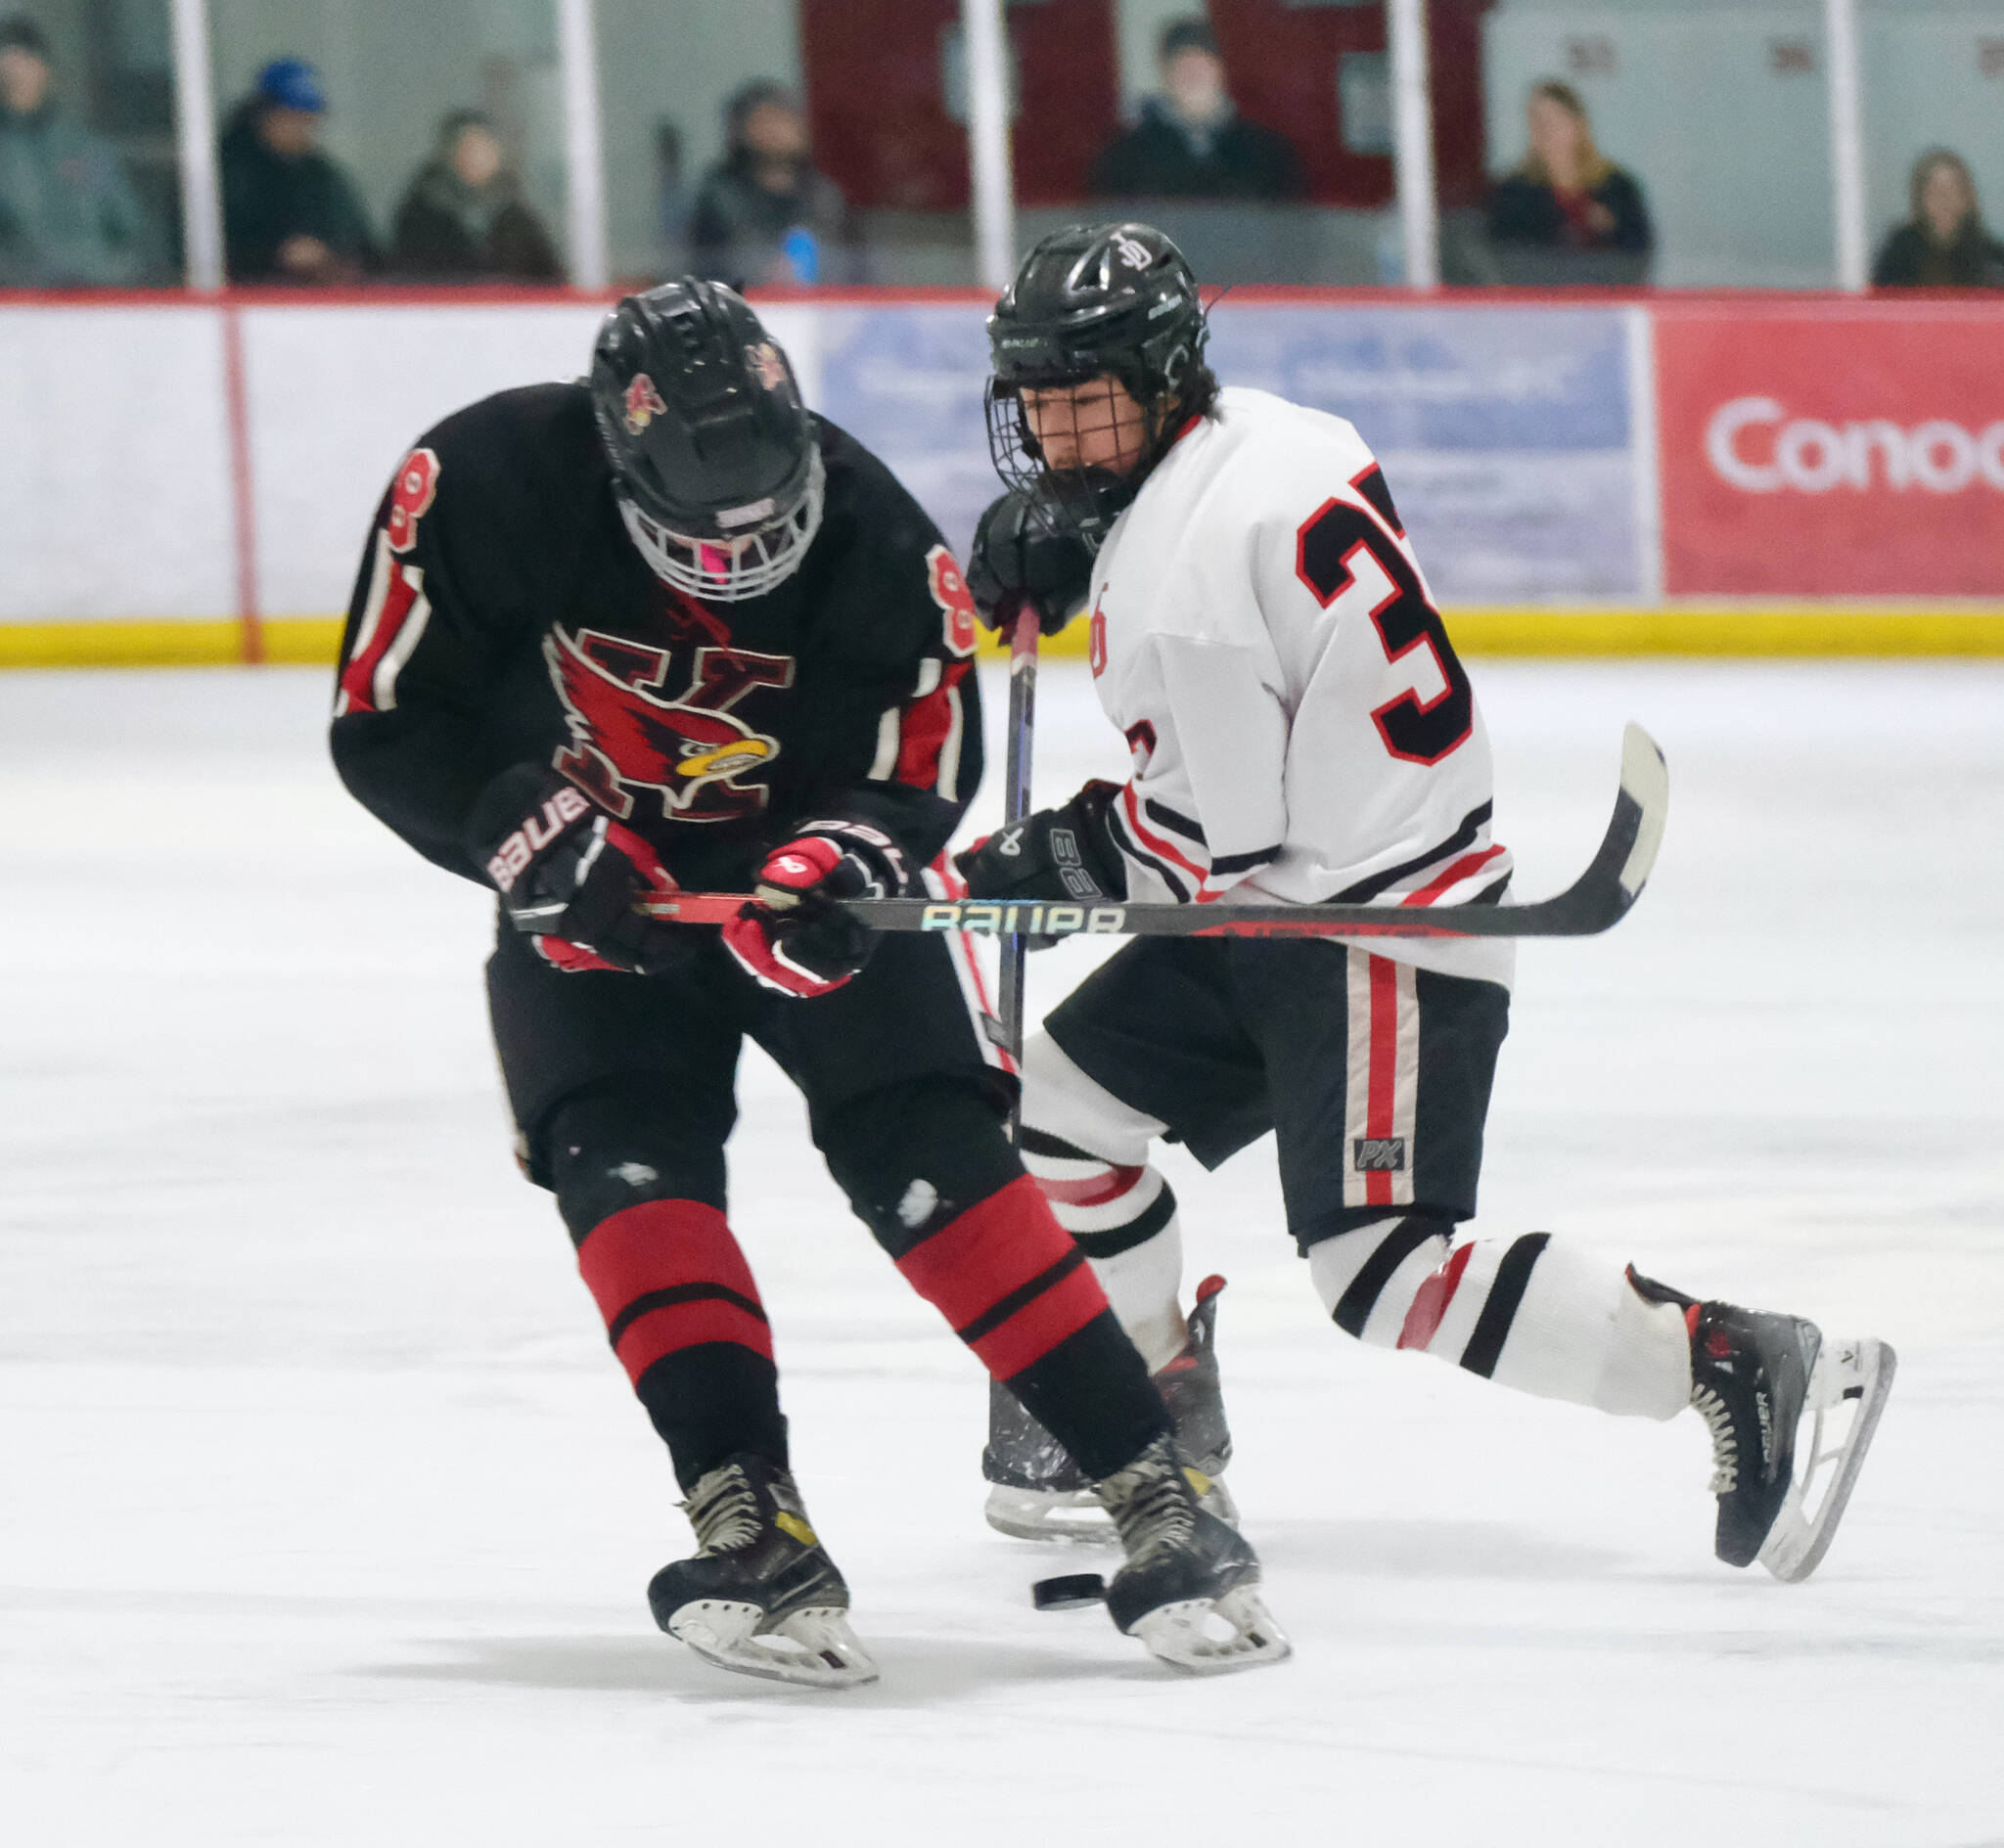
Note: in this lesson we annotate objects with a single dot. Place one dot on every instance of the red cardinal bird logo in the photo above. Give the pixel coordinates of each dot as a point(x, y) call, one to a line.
point(643, 404)
point(626, 737)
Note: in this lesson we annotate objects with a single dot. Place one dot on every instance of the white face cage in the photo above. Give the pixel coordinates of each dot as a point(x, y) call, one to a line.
point(730, 570)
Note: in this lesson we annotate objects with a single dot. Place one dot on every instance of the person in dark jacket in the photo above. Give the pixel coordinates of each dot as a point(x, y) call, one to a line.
point(290, 213)
point(67, 215)
point(1191, 141)
point(1946, 245)
point(464, 219)
point(765, 213)
point(1567, 195)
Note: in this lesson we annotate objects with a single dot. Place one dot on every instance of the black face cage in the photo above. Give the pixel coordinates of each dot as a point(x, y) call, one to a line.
point(1083, 502)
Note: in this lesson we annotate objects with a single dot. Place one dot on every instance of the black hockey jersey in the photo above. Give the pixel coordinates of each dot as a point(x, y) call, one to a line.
point(502, 616)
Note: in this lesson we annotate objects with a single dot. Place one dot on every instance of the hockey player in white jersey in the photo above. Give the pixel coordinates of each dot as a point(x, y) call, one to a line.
point(1262, 635)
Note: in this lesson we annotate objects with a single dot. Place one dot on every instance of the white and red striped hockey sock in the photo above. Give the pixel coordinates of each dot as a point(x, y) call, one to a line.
point(1530, 1313)
point(1089, 1154)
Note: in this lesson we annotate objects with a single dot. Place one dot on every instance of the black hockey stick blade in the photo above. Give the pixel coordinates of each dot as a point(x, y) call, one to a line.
point(1597, 900)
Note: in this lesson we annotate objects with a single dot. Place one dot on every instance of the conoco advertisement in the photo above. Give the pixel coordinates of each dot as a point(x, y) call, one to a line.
point(1833, 453)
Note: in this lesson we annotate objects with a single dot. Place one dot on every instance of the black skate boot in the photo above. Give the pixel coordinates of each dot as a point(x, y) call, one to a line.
point(1190, 1589)
point(1790, 1415)
point(1038, 1492)
point(762, 1596)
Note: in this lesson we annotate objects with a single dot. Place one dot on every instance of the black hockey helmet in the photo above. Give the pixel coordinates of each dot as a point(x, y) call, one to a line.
point(1088, 300)
point(715, 458)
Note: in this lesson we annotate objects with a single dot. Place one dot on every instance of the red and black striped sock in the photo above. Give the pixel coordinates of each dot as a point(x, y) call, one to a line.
point(683, 1316)
point(1018, 1291)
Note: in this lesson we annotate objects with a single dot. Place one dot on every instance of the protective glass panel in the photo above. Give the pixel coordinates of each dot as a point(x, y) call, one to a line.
point(742, 141)
point(1933, 87)
point(1691, 140)
point(373, 140)
point(89, 188)
point(1257, 133)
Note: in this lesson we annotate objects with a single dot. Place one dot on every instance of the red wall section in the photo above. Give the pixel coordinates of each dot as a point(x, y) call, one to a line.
point(1282, 61)
point(878, 106)
point(1831, 450)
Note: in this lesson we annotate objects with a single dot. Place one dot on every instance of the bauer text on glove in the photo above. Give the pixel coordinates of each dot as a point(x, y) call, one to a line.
point(569, 876)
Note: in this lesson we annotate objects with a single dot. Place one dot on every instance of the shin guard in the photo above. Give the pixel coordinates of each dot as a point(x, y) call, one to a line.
point(1018, 1291)
point(682, 1314)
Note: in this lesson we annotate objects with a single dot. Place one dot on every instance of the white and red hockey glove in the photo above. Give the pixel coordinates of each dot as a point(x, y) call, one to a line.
point(570, 876)
point(795, 936)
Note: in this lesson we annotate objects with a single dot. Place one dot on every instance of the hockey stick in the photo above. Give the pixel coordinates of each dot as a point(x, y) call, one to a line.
point(1023, 712)
point(1598, 899)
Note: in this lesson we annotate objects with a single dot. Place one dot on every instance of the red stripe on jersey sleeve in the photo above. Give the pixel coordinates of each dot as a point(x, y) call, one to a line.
point(1453, 876)
point(924, 727)
point(1130, 806)
point(399, 596)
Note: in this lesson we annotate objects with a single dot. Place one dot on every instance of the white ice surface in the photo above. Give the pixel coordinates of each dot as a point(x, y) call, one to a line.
point(325, 1514)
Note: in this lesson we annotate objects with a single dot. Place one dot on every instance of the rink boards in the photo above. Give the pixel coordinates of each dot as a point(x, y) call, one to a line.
point(189, 478)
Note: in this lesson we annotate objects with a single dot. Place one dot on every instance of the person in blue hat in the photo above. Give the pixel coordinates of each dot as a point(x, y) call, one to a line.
point(290, 213)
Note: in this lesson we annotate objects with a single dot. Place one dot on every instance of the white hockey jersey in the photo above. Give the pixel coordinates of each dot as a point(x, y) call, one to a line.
point(1300, 729)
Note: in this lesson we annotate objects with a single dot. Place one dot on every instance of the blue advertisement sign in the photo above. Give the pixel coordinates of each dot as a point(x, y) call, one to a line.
point(909, 382)
point(1506, 433)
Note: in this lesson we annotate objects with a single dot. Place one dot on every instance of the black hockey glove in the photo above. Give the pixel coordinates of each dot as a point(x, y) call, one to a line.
point(1017, 554)
point(570, 875)
point(1057, 856)
point(795, 937)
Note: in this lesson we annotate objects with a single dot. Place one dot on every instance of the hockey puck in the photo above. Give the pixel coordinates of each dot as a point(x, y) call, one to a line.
point(1070, 1590)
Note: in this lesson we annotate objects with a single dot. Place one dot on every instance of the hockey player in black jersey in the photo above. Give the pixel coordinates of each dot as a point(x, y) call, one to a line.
point(1302, 731)
point(663, 629)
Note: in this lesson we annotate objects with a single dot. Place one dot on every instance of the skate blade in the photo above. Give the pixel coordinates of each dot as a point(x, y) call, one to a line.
point(1074, 1517)
point(1848, 1392)
point(813, 1647)
point(1204, 1636)
point(1065, 1517)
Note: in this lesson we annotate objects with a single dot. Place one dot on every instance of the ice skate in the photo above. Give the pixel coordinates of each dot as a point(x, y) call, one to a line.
point(762, 1596)
point(1791, 1413)
point(1036, 1492)
point(1190, 1589)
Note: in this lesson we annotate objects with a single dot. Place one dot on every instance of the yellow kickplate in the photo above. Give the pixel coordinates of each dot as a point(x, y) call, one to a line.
point(1791, 630)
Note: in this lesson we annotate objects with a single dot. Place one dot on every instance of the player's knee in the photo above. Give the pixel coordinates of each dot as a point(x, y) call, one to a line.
point(1368, 1275)
point(616, 1147)
point(916, 1155)
point(1059, 1102)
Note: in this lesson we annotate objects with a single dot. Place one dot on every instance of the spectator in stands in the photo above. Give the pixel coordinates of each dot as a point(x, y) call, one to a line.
point(290, 213)
point(1946, 245)
point(463, 219)
point(1567, 195)
point(1191, 141)
point(763, 213)
point(67, 215)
